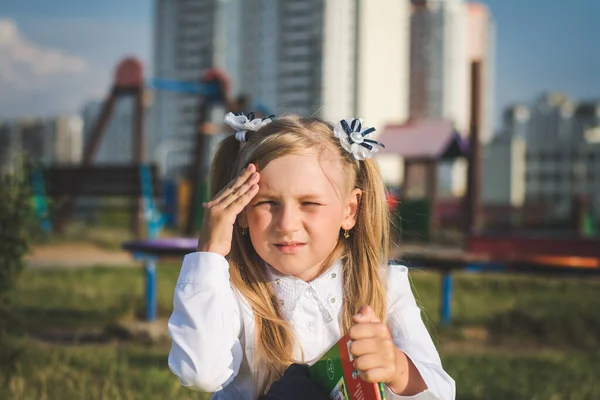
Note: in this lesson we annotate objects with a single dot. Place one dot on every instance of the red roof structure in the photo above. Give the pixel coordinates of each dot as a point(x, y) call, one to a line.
point(424, 139)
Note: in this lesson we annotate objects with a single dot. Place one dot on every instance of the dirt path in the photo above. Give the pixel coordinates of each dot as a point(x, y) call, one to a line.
point(77, 255)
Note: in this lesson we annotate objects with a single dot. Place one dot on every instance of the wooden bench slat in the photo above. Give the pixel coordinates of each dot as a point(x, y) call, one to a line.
point(101, 180)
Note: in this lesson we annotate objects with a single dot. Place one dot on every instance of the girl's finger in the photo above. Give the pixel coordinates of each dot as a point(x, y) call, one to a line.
point(364, 346)
point(242, 201)
point(369, 361)
point(365, 314)
point(375, 375)
point(240, 191)
point(364, 331)
point(235, 183)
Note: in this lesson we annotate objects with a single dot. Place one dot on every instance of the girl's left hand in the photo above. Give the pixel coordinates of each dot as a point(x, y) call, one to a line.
point(376, 358)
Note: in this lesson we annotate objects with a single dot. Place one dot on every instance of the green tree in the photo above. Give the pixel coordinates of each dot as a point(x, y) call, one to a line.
point(15, 218)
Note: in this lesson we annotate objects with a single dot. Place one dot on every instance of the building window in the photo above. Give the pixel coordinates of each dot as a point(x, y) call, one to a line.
point(557, 197)
point(557, 157)
point(557, 178)
point(542, 177)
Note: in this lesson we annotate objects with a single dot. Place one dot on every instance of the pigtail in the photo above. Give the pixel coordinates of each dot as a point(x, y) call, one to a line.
point(367, 247)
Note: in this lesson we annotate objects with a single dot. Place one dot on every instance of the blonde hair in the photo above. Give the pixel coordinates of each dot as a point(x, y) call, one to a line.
point(364, 254)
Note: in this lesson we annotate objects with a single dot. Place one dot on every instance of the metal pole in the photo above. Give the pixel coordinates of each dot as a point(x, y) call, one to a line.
point(150, 268)
point(138, 150)
point(446, 300)
point(431, 174)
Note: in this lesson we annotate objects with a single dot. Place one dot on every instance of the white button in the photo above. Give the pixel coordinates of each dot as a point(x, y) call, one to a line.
point(332, 300)
point(307, 294)
point(333, 275)
point(311, 325)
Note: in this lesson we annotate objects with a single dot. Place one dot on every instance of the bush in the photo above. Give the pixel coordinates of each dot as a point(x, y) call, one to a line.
point(15, 214)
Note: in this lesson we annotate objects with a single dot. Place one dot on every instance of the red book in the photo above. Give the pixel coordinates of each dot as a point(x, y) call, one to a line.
point(335, 372)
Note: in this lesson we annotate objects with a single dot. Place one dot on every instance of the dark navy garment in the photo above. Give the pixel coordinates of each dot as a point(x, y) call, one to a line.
point(295, 384)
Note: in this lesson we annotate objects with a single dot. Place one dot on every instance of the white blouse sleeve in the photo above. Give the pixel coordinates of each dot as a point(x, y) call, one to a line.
point(205, 326)
point(410, 335)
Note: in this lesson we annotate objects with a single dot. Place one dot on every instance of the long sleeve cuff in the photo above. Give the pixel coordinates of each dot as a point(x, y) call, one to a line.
point(440, 386)
point(424, 395)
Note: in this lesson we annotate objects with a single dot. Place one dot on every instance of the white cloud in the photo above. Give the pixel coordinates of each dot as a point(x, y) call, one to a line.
point(51, 66)
point(25, 66)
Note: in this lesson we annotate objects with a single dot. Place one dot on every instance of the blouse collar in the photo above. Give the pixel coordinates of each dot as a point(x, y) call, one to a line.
point(327, 288)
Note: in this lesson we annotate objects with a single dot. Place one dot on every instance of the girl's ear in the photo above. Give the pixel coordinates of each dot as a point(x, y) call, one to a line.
point(351, 209)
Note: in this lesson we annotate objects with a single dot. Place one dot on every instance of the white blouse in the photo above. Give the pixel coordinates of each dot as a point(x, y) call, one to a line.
point(212, 327)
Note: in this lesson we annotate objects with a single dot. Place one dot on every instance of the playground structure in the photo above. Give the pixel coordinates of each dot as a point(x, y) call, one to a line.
point(138, 179)
point(481, 253)
point(128, 82)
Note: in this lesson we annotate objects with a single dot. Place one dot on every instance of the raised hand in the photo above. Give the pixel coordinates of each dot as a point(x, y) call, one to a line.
point(377, 359)
point(221, 212)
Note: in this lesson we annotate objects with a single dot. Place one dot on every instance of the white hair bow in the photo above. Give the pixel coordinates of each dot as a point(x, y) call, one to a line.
point(243, 124)
point(356, 140)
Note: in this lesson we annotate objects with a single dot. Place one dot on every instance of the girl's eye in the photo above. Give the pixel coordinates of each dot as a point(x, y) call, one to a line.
point(309, 203)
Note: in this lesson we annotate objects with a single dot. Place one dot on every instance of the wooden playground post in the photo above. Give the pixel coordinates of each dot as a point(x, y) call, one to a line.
point(128, 81)
point(473, 196)
point(138, 151)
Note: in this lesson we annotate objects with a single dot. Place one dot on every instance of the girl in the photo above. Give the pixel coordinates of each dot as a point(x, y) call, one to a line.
point(292, 255)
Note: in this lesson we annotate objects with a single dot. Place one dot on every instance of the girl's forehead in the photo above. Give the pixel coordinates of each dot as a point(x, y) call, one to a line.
point(302, 173)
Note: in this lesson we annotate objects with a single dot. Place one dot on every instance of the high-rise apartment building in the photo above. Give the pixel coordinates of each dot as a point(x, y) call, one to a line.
point(551, 149)
point(330, 58)
point(46, 141)
point(482, 50)
point(447, 37)
point(68, 139)
point(439, 73)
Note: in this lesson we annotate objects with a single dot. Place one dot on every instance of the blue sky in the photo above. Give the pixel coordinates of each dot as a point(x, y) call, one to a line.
point(541, 45)
point(546, 45)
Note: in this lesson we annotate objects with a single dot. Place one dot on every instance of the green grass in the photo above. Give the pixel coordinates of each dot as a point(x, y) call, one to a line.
point(523, 309)
point(87, 297)
point(111, 371)
point(512, 337)
point(525, 375)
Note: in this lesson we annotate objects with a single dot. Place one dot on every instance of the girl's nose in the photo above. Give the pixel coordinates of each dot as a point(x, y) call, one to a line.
point(289, 219)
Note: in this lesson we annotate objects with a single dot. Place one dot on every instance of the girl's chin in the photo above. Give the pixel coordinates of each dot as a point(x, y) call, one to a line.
point(301, 272)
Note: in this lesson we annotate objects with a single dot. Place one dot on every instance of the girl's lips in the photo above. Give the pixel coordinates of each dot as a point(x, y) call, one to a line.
point(289, 248)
